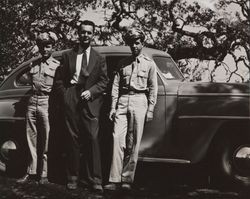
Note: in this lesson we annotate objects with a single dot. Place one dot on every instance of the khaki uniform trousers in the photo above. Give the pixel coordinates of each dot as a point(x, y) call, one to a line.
point(127, 134)
point(37, 131)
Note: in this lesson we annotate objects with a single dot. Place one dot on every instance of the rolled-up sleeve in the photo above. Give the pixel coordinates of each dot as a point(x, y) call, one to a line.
point(152, 86)
point(115, 90)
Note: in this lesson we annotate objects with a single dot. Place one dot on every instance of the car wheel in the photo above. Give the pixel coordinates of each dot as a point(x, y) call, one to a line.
point(12, 159)
point(233, 162)
point(6, 148)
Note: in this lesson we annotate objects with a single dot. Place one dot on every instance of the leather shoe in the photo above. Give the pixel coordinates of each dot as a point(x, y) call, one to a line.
point(126, 186)
point(111, 187)
point(72, 185)
point(84, 184)
point(97, 188)
point(43, 180)
point(24, 179)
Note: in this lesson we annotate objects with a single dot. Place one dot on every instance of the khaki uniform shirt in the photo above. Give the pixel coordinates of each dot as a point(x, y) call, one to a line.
point(137, 75)
point(42, 74)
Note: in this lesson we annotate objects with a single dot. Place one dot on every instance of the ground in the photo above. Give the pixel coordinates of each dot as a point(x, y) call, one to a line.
point(10, 189)
point(150, 183)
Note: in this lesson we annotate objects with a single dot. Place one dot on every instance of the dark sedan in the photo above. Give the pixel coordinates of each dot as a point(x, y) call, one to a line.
point(193, 122)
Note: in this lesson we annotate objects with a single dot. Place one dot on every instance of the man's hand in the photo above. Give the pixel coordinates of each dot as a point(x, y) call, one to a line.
point(112, 114)
point(86, 95)
point(149, 116)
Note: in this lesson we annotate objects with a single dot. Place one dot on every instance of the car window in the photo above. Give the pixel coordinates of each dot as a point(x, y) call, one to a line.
point(1, 78)
point(23, 79)
point(168, 67)
point(112, 62)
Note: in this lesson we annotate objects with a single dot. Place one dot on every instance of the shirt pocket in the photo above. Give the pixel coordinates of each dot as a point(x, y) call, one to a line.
point(142, 78)
point(126, 75)
point(49, 74)
point(34, 71)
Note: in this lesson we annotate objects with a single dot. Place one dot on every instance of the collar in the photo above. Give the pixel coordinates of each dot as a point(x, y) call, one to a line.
point(50, 60)
point(81, 50)
point(139, 57)
point(88, 50)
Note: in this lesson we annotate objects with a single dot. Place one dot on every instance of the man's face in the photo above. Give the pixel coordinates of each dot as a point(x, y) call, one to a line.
point(46, 50)
point(136, 47)
point(86, 34)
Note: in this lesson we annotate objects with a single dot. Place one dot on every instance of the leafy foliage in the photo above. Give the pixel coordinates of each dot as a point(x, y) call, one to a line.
point(20, 21)
point(183, 29)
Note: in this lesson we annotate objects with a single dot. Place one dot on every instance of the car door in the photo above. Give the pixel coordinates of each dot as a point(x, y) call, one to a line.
point(14, 94)
point(157, 141)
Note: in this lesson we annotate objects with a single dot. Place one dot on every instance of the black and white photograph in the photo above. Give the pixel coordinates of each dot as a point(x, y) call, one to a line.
point(125, 99)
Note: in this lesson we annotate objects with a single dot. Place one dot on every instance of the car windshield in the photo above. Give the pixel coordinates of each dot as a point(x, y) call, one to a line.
point(168, 67)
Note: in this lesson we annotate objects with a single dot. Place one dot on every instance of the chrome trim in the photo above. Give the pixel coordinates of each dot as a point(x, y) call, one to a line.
point(214, 94)
point(2, 166)
point(214, 117)
point(164, 160)
point(9, 96)
point(11, 119)
point(171, 94)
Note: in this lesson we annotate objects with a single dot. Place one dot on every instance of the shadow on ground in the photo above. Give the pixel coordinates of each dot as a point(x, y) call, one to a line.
point(152, 181)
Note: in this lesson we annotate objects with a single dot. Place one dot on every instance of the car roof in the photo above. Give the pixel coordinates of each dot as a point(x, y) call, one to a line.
point(104, 50)
point(116, 50)
point(120, 50)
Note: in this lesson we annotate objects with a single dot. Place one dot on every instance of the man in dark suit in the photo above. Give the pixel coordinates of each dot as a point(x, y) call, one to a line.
point(80, 82)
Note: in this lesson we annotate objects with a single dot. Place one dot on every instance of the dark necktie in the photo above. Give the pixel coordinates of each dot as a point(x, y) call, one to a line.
point(83, 72)
point(84, 60)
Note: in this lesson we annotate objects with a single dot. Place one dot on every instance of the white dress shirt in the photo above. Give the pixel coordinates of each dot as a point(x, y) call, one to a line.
point(74, 80)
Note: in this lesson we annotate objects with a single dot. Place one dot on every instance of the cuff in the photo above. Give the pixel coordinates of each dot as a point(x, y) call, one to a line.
point(150, 108)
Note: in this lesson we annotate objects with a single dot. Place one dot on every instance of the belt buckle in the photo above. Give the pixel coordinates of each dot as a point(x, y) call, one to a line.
point(35, 93)
point(131, 92)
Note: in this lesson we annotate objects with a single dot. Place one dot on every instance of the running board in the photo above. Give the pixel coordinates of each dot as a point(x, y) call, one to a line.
point(164, 160)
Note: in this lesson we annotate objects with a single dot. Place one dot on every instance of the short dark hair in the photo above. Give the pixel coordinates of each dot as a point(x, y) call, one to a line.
point(133, 34)
point(87, 22)
point(45, 38)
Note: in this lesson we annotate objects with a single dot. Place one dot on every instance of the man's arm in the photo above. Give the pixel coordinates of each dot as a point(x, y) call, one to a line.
point(59, 79)
point(114, 95)
point(101, 84)
point(153, 89)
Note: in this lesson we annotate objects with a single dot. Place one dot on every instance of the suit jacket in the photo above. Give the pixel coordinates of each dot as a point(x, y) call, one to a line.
point(95, 76)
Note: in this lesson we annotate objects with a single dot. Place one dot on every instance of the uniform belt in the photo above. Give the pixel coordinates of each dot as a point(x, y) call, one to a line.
point(132, 92)
point(41, 93)
point(77, 86)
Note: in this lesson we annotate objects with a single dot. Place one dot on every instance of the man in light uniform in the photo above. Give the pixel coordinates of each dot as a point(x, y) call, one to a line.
point(134, 94)
point(42, 73)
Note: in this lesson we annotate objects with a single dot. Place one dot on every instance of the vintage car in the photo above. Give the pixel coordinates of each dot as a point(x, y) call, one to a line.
point(193, 122)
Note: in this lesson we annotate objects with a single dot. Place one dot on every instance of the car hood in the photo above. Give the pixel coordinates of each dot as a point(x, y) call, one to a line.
point(198, 88)
point(214, 100)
